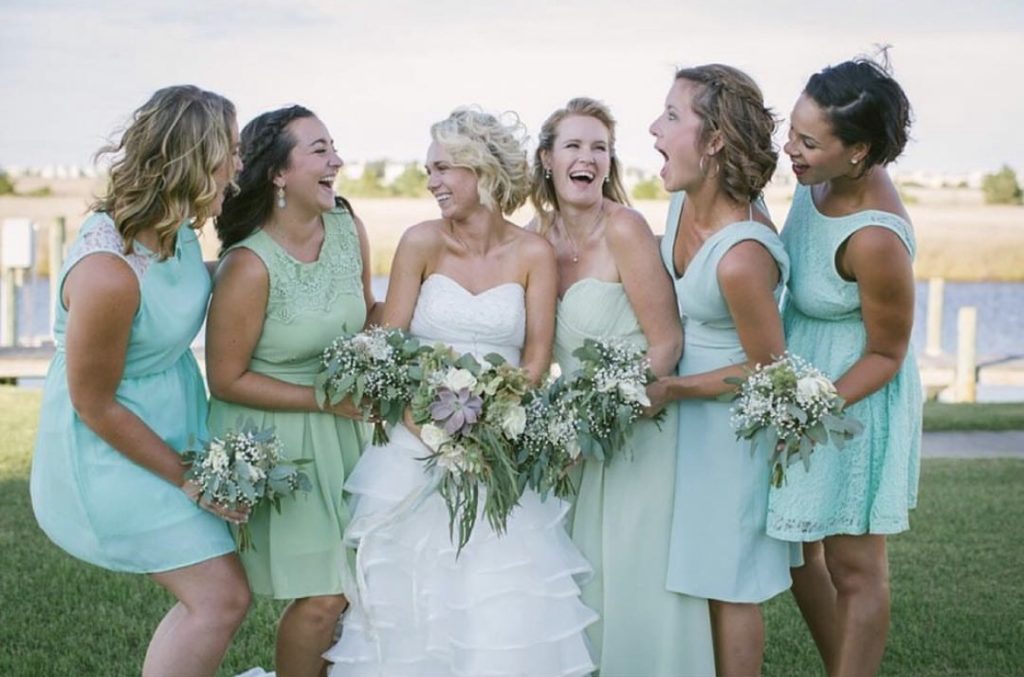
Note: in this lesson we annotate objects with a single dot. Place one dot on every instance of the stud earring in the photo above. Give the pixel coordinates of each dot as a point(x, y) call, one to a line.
point(853, 161)
point(607, 178)
point(281, 202)
point(547, 172)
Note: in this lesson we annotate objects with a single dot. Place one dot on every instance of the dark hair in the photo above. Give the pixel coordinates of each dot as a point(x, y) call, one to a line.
point(864, 104)
point(266, 145)
point(729, 102)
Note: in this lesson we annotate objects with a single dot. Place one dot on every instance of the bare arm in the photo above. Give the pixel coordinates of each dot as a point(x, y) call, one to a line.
point(879, 261)
point(541, 297)
point(408, 270)
point(373, 308)
point(747, 275)
point(233, 327)
point(648, 287)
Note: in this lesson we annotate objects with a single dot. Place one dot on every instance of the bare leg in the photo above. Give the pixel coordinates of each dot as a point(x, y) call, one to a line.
point(213, 597)
point(816, 596)
point(860, 572)
point(738, 633)
point(305, 631)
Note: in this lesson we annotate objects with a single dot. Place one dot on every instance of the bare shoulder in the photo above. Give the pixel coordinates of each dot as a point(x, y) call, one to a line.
point(625, 225)
point(533, 247)
point(105, 278)
point(746, 260)
point(425, 235)
point(875, 244)
point(242, 266)
point(885, 196)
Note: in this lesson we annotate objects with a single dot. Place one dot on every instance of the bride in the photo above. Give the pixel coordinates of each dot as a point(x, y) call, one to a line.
point(507, 605)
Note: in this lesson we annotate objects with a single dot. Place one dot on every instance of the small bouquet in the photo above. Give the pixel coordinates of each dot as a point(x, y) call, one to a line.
point(550, 443)
point(243, 469)
point(378, 368)
point(609, 393)
point(472, 414)
point(793, 407)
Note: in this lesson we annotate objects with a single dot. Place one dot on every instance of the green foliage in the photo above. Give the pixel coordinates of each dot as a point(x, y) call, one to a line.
point(6, 185)
point(649, 189)
point(943, 416)
point(412, 182)
point(1001, 188)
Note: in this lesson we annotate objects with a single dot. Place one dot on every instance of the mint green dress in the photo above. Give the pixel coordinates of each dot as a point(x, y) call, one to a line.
point(89, 498)
point(298, 552)
point(870, 486)
point(623, 518)
point(719, 547)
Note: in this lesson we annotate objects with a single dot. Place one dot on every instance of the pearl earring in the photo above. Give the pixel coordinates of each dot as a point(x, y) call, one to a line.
point(547, 172)
point(607, 178)
point(853, 161)
point(281, 202)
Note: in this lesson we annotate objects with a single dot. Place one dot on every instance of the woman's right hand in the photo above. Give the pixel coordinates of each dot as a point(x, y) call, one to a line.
point(195, 494)
point(346, 408)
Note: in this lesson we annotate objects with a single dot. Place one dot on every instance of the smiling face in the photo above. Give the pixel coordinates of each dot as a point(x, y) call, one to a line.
point(454, 188)
point(313, 165)
point(579, 159)
point(677, 137)
point(226, 173)
point(816, 153)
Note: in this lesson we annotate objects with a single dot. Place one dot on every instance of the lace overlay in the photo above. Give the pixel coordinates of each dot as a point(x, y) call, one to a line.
point(103, 237)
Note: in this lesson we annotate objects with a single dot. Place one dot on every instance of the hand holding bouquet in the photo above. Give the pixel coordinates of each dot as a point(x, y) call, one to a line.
point(472, 415)
point(378, 368)
point(793, 407)
point(243, 469)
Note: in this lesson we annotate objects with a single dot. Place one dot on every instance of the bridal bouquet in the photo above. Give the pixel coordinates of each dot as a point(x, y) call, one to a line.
point(378, 368)
point(609, 393)
point(550, 443)
point(243, 469)
point(792, 407)
point(472, 415)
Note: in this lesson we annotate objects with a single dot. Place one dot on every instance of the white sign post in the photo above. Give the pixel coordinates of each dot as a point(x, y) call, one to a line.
point(17, 254)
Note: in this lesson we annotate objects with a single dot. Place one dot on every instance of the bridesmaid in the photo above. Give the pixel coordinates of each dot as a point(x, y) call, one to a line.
point(849, 311)
point(294, 274)
point(124, 395)
point(612, 285)
point(729, 268)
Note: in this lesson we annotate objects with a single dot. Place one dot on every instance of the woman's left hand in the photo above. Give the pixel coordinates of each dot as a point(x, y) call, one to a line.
point(657, 393)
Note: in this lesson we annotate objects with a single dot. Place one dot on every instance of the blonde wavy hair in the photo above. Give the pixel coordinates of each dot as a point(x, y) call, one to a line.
point(494, 150)
point(729, 102)
point(542, 192)
point(163, 169)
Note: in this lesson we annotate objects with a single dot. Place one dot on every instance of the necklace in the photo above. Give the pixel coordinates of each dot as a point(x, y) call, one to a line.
point(569, 237)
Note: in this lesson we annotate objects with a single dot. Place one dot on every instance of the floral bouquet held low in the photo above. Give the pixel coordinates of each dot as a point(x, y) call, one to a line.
point(791, 407)
point(377, 368)
point(242, 470)
point(550, 443)
point(471, 416)
point(609, 393)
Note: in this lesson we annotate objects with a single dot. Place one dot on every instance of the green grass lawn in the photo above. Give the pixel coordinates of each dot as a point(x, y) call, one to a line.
point(958, 604)
point(942, 416)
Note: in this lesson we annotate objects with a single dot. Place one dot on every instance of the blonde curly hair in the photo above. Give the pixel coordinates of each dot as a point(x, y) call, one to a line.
point(494, 150)
point(729, 102)
point(164, 164)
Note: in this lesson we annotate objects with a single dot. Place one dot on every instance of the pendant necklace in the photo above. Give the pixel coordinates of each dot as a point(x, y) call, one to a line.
point(569, 237)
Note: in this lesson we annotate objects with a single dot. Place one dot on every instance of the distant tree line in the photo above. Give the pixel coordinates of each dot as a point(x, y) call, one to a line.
point(1002, 187)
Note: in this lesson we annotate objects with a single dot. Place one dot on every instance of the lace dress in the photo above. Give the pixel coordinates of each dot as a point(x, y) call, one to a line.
point(298, 552)
point(869, 486)
point(506, 606)
point(89, 498)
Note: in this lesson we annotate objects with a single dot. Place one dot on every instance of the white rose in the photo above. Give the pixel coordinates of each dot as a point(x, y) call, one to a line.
point(573, 448)
point(633, 392)
point(457, 379)
point(433, 436)
point(810, 388)
point(514, 422)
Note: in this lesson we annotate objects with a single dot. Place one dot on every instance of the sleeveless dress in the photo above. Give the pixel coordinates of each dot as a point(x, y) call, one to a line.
point(623, 519)
point(298, 552)
point(871, 484)
point(507, 605)
point(89, 498)
point(719, 548)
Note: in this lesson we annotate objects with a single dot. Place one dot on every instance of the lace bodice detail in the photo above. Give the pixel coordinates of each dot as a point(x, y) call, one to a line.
point(100, 234)
point(493, 321)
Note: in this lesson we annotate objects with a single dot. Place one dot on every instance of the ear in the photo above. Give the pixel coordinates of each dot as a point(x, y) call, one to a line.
point(858, 152)
point(277, 179)
point(714, 144)
point(545, 158)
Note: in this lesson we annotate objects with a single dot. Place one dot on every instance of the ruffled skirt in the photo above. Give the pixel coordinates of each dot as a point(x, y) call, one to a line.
point(507, 605)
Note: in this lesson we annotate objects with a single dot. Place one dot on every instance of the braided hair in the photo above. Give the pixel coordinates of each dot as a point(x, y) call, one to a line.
point(729, 102)
point(266, 145)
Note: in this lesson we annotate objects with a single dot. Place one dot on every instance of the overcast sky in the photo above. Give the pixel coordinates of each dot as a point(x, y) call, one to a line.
point(379, 73)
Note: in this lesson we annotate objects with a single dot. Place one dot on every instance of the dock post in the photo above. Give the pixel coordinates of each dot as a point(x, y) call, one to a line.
point(58, 231)
point(8, 309)
point(936, 297)
point(966, 386)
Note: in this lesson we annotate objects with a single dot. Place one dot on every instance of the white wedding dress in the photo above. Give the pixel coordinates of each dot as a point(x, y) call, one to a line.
point(509, 604)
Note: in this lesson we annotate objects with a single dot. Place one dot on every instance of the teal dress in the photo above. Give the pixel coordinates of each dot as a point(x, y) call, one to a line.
point(719, 548)
point(298, 552)
point(90, 499)
point(623, 517)
point(870, 486)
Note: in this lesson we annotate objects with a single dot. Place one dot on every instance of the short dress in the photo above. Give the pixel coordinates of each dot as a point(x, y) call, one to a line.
point(870, 486)
point(297, 552)
point(89, 498)
point(719, 548)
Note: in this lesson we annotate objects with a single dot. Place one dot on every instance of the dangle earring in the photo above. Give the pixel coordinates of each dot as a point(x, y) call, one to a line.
point(281, 202)
point(607, 178)
point(547, 173)
point(701, 163)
